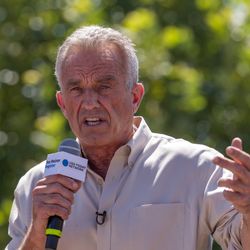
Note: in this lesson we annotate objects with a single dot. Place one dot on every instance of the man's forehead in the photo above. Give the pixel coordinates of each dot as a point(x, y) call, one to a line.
point(99, 72)
point(95, 59)
point(76, 79)
point(105, 51)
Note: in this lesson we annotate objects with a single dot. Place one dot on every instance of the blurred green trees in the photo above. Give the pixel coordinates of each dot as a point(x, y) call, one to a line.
point(194, 60)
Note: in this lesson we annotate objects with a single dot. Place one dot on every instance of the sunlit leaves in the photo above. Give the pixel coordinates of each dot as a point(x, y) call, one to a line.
point(49, 129)
point(5, 207)
point(219, 21)
point(173, 36)
point(4, 211)
point(81, 6)
point(186, 87)
point(239, 15)
point(51, 124)
point(31, 77)
point(208, 4)
point(76, 8)
point(158, 90)
point(140, 19)
point(44, 140)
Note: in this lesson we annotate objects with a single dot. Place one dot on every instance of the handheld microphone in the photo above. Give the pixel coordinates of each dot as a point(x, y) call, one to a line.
point(55, 223)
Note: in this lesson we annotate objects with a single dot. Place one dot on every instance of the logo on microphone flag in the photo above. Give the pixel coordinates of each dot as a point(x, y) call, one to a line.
point(66, 164)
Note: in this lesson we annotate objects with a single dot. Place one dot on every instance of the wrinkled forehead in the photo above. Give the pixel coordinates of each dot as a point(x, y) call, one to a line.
point(103, 52)
point(106, 52)
point(86, 61)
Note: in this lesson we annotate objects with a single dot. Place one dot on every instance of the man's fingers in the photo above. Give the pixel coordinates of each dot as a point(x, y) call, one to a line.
point(54, 195)
point(46, 210)
point(239, 156)
point(237, 189)
point(240, 201)
point(237, 143)
point(238, 170)
point(234, 185)
point(54, 188)
point(63, 180)
point(56, 199)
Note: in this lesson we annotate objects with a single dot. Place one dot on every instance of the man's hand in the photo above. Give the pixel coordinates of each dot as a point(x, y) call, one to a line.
point(53, 195)
point(238, 188)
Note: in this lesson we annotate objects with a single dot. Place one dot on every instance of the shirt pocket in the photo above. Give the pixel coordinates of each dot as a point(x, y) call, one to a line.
point(157, 226)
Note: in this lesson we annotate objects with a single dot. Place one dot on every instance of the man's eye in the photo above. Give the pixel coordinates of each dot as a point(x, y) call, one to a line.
point(75, 89)
point(105, 86)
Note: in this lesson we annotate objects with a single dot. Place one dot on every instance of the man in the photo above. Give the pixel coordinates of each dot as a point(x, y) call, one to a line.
point(158, 192)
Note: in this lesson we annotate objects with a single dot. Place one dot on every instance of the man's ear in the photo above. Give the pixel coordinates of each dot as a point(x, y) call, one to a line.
point(60, 103)
point(138, 92)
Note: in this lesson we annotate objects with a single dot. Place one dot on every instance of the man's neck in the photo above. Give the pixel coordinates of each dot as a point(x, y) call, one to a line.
point(99, 159)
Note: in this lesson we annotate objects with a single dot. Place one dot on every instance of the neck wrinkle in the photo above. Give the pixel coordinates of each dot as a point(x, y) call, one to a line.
point(99, 158)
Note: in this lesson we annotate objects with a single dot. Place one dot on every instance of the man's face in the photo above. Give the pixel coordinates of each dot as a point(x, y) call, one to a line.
point(95, 99)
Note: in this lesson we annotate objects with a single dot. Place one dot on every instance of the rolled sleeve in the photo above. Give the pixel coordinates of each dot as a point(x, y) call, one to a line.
point(219, 216)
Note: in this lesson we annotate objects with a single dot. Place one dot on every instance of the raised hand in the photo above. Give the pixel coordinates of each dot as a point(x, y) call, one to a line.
point(237, 188)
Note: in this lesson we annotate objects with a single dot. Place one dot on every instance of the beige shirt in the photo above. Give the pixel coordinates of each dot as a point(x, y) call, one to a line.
point(159, 193)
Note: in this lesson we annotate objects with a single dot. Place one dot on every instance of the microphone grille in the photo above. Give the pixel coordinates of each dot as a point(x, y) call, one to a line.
point(70, 146)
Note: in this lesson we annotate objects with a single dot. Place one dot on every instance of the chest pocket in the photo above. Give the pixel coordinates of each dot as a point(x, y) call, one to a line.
point(157, 226)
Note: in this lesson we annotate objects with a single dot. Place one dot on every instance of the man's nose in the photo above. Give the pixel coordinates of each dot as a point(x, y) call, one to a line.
point(90, 100)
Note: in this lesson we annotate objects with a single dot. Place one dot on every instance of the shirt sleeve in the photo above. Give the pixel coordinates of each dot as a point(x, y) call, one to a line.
point(21, 211)
point(17, 226)
point(218, 216)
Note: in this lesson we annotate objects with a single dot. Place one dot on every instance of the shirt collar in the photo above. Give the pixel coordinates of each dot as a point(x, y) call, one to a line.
point(137, 143)
point(139, 140)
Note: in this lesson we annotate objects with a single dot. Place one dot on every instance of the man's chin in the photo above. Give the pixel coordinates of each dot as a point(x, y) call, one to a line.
point(94, 140)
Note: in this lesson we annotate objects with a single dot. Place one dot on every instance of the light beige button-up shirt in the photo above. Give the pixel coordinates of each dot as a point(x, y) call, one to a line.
point(159, 193)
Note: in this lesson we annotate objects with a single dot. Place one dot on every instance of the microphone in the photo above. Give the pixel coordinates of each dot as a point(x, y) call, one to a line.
point(55, 223)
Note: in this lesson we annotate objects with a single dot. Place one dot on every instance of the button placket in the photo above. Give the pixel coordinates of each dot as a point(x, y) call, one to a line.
point(111, 189)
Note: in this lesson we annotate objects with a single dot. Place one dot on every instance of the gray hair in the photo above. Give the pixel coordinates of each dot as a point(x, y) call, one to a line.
point(93, 36)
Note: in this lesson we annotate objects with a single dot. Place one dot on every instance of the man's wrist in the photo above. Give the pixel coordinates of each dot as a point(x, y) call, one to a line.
point(245, 232)
point(34, 239)
point(246, 221)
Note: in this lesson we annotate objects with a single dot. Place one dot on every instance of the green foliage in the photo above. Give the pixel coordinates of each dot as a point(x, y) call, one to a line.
point(194, 58)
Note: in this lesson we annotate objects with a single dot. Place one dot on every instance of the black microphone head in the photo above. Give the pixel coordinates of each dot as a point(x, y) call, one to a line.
point(70, 146)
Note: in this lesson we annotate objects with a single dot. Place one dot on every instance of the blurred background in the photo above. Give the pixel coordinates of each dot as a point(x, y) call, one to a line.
point(194, 62)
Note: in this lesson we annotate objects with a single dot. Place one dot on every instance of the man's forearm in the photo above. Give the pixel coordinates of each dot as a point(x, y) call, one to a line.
point(33, 240)
point(245, 233)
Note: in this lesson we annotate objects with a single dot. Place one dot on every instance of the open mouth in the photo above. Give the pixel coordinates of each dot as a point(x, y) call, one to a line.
point(93, 121)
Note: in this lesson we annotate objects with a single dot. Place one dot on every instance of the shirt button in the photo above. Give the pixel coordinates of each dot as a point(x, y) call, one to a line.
point(99, 181)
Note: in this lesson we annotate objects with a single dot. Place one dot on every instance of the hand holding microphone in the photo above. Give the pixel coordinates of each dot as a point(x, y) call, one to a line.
point(53, 196)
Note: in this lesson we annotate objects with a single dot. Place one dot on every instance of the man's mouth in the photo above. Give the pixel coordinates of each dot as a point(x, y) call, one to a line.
point(92, 121)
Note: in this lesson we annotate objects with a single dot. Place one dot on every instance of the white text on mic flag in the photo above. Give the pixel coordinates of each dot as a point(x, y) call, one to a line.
point(66, 164)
